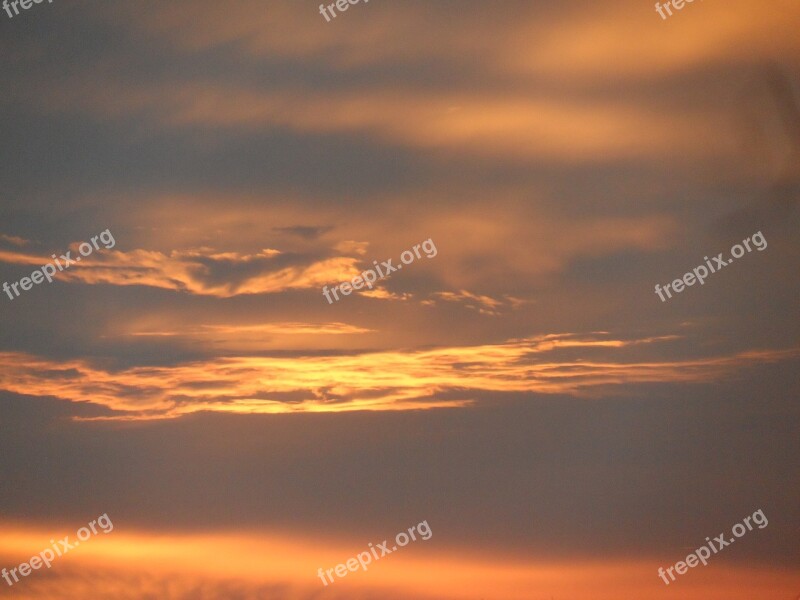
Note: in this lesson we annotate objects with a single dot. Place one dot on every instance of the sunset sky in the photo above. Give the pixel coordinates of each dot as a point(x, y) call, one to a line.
point(522, 388)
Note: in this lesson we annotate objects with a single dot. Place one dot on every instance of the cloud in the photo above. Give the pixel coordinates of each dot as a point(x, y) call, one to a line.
point(352, 247)
point(483, 304)
point(14, 240)
point(238, 338)
point(267, 328)
point(494, 124)
point(303, 231)
point(387, 380)
point(128, 565)
point(473, 250)
point(571, 37)
point(202, 271)
point(567, 113)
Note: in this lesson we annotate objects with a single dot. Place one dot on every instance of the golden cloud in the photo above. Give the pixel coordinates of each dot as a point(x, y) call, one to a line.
point(128, 565)
point(192, 270)
point(381, 381)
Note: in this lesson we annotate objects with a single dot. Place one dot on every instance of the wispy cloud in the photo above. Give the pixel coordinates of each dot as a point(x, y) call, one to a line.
point(267, 328)
point(482, 303)
point(389, 380)
point(202, 271)
point(14, 240)
point(244, 338)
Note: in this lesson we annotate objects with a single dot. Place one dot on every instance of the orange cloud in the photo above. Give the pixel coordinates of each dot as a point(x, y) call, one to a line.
point(267, 328)
point(192, 270)
point(570, 38)
point(127, 565)
point(494, 124)
point(629, 40)
point(546, 245)
point(246, 338)
point(387, 380)
point(573, 49)
point(483, 304)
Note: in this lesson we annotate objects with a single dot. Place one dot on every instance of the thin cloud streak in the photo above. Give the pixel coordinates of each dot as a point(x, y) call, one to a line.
point(285, 328)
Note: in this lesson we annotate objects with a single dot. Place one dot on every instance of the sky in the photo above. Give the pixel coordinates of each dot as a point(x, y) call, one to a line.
point(522, 384)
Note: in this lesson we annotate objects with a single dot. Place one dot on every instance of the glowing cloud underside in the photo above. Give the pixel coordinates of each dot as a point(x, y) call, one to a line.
point(131, 565)
point(389, 380)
